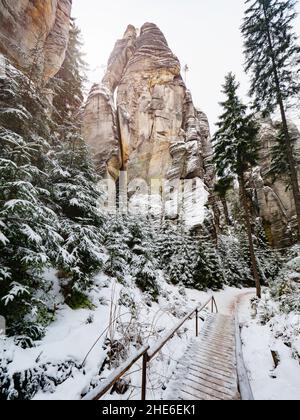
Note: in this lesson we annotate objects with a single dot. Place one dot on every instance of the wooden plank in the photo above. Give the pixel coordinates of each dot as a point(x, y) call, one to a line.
point(214, 374)
point(213, 371)
point(189, 397)
point(207, 361)
point(221, 335)
point(224, 361)
point(199, 396)
point(216, 351)
point(210, 383)
point(214, 345)
point(205, 390)
point(218, 339)
point(212, 379)
point(228, 361)
point(202, 360)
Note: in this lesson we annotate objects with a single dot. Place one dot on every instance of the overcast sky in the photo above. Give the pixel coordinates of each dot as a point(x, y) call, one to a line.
point(204, 34)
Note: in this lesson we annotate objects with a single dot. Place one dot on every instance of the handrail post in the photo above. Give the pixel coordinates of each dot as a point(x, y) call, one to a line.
point(144, 376)
point(215, 303)
point(197, 323)
point(212, 305)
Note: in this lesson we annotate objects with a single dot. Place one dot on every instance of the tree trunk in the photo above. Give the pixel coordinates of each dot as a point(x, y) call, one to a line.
point(226, 211)
point(216, 212)
point(287, 137)
point(249, 234)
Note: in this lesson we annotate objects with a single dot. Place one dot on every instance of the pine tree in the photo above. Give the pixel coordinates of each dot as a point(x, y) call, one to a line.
point(181, 270)
point(143, 266)
point(73, 177)
point(236, 152)
point(207, 273)
point(279, 164)
point(175, 251)
point(116, 242)
point(49, 213)
point(29, 227)
point(273, 56)
point(269, 260)
point(129, 242)
point(168, 242)
point(235, 259)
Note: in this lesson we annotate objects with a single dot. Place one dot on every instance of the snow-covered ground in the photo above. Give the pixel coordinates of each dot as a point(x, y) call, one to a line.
point(268, 382)
point(78, 337)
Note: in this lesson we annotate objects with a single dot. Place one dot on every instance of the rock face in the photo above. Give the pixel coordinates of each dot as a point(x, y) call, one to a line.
point(100, 121)
point(35, 32)
point(274, 199)
point(150, 128)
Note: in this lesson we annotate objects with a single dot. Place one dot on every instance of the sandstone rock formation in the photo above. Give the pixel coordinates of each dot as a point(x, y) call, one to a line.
point(274, 198)
point(35, 31)
point(150, 127)
point(100, 123)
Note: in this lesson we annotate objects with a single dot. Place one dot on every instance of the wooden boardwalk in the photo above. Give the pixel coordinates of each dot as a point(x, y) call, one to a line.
point(208, 368)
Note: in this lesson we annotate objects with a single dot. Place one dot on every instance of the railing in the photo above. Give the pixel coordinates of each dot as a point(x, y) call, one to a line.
point(243, 380)
point(98, 392)
point(147, 355)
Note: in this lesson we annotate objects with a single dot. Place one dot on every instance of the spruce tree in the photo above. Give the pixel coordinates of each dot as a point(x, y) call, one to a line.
point(49, 215)
point(235, 260)
point(279, 163)
point(29, 239)
point(269, 259)
point(273, 57)
point(207, 271)
point(236, 152)
point(181, 270)
point(116, 243)
point(143, 264)
point(168, 242)
point(73, 177)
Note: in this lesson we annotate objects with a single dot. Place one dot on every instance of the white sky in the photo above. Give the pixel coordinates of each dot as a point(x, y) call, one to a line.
point(203, 34)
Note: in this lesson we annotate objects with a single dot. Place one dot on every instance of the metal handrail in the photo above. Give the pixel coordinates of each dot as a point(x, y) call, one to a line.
point(147, 356)
point(105, 386)
point(171, 333)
